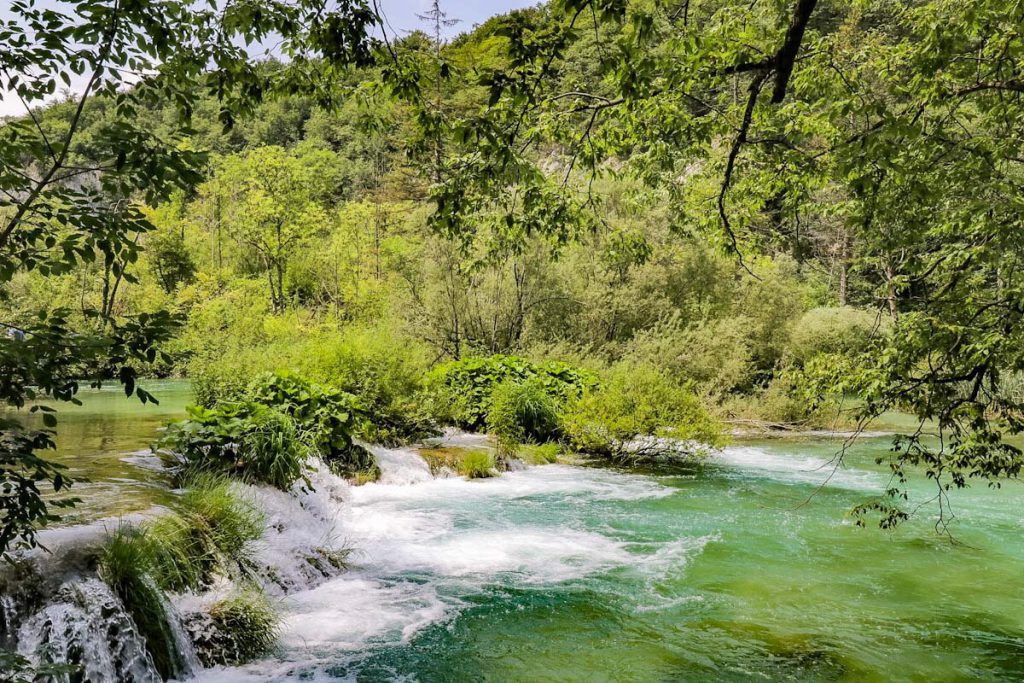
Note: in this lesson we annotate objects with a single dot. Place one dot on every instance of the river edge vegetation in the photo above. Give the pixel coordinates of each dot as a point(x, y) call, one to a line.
point(613, 226)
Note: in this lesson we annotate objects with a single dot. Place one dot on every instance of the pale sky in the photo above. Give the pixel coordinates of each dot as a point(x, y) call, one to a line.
point(401, 17)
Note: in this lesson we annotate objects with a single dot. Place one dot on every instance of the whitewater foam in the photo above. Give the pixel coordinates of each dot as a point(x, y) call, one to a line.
point(801, 469)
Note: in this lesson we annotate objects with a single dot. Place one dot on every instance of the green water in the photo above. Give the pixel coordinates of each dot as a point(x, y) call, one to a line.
point(743, 568)
point(728, 571)
point(106, 441)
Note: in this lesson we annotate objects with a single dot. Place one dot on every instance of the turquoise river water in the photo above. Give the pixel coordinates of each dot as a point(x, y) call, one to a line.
point(742, 567)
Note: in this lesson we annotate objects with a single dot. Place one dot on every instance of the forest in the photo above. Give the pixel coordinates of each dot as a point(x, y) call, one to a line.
point(630, 238)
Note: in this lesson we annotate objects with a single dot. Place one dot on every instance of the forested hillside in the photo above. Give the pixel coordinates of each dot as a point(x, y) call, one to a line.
point(307, 246)
point(780, 215)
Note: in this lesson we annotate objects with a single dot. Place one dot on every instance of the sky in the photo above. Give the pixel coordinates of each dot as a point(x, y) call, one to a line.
point(401, 17)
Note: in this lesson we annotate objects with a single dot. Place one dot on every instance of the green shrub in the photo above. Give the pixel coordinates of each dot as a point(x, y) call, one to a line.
point(243, 627)
point(522, 412)
point(380, 366)
point(247, 440)
point(636, 401)
point(841, 331)
point(715, 355)
point(125, 564)
point(462, 391)
point(327, 419)
point(18, 669)
point(384, 368)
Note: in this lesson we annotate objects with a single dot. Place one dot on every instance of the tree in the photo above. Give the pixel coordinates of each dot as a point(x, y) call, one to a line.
point(63, 202)
point(273, 201)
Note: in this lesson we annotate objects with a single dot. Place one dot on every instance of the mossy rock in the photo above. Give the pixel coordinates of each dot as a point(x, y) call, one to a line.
point(472, 463)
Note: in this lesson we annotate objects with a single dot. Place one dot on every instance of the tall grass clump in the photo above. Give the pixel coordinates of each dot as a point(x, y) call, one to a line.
point(244, 627)
point(477, 464)
point(212, 531)
point(126, 565)
point(523, 412)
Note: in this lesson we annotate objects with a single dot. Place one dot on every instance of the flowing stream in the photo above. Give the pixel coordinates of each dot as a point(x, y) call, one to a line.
point(744, 567)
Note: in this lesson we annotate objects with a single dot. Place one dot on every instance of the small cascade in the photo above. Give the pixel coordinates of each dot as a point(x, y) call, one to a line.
point(85, 624)
point(188, 660)
point(303, 544)
point(401, 466)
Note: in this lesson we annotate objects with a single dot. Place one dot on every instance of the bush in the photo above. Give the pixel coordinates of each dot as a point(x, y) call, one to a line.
point(125, 564)
point(462, 391)
point(831, 331)
point(384, 369)
point(247, 440)
point(635, 402)
point(239, 629)
point(522, 412)
point(326, 417)
point(714, 355)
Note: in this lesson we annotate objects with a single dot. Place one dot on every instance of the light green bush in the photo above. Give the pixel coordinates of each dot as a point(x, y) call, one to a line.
point(831, 331)
point(463, 391)
point(636, 401)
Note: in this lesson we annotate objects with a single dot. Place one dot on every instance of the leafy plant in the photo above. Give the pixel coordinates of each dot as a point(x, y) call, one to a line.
point(635, 406)
point(247, 440)
point(464, 390)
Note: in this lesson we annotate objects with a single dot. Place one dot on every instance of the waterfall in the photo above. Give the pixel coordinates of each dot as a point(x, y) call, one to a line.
point(401, 466)
point(84, 624)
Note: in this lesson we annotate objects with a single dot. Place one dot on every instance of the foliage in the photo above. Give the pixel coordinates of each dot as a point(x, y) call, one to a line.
point(17, 669)
point(125, 564)
point(269, 434)
point(326, 417)
point(464, 389)
point(245, 627)
point(211, 531)
point(71, 198)
point(243, 439)
point(523, 412)
point(45, 359)
point(832, 331)
point(635, 402)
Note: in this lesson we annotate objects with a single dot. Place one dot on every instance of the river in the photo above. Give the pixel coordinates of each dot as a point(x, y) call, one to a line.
point(743, 567)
